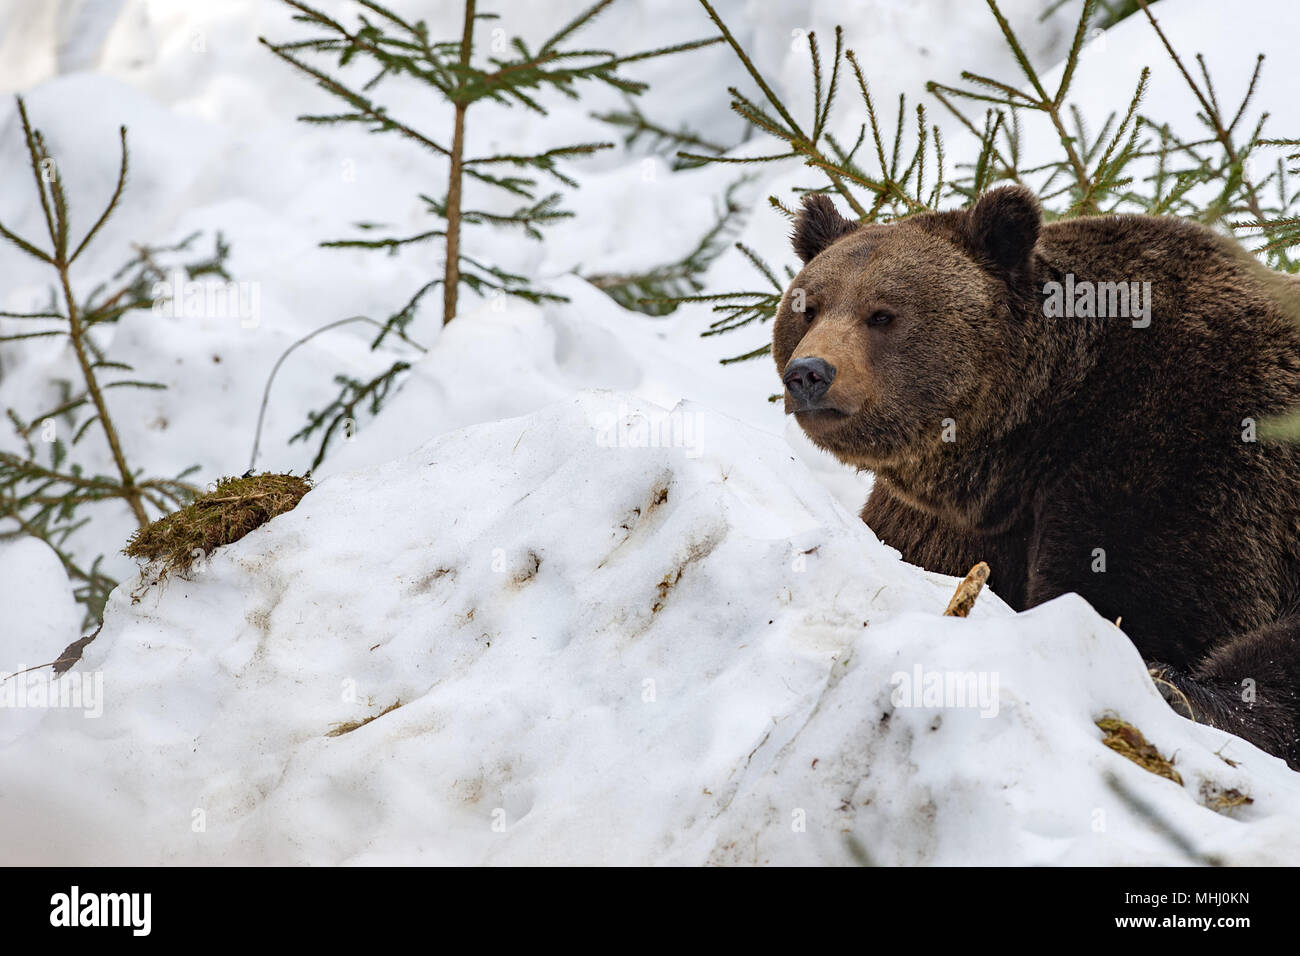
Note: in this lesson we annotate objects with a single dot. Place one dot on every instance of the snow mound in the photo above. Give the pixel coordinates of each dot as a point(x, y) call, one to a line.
point(617, 634)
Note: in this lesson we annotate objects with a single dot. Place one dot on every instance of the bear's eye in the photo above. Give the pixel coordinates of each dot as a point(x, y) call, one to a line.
point(880, 317)
point(809, 313)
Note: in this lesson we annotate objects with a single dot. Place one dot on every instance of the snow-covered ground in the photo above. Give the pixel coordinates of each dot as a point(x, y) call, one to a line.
point(618, 633)
point(620, 628)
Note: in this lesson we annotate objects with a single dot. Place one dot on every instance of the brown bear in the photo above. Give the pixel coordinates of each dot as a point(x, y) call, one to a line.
point(1083, 405)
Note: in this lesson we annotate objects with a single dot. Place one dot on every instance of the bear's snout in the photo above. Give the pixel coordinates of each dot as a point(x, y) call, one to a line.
point(808, 380)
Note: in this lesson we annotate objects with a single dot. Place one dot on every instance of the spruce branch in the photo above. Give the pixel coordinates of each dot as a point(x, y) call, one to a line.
point(451, 274)
point(1051, 105)
point(390, 46)
point(41, 495)
point(1222, 130)
point(637, 127)
point(317, 419)
point(396, 47)
point(56, 217)
point(1132, 163)
point(342, 411)
point(659, 290)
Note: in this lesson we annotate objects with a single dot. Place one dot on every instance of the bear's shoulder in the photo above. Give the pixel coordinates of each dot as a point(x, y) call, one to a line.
point(1138, 238)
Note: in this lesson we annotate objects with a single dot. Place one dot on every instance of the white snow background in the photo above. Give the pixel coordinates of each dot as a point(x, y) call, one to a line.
point(628, 611)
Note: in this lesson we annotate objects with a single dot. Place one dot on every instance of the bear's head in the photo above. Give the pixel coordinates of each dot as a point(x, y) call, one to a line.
point(891, 330)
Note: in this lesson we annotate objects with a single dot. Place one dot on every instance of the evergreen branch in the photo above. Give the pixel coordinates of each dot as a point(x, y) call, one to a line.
point(1211, 112)
point(573, 26)
point(343, 409)
point(76, 329)
point(112, 203)
point(756, 353)
point(25, 246)
point(543, 158)
point(685, 47)
point(638, 126)
point(275, 369)
point(659, 291)
point(36, 155)
point(96, 586)
point(451, 267)
point(17, 336)
point(772, 98)
point(1076, 47)
point(386, 243)
point(364, 107)
point(1099, 182)
point(399, 320)
point(13, 465)
point(739, 160)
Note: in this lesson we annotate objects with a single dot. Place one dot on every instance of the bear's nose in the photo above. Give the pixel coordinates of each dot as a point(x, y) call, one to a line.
point(808, 379)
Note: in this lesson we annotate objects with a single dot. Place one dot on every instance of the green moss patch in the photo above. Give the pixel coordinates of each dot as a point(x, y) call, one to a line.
point(235, 507)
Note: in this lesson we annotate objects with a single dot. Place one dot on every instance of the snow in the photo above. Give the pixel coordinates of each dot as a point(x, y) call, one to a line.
point(41, 615)
point(696, 651)
point(587, 673)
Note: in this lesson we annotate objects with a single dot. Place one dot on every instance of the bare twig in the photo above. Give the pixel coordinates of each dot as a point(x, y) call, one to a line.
point(969, 589)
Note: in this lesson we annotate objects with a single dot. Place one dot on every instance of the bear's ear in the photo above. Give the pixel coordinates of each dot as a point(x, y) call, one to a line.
point(817, 225)
point(1003, 225)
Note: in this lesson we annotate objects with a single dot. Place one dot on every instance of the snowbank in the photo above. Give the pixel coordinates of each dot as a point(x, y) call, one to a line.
point(617, 634)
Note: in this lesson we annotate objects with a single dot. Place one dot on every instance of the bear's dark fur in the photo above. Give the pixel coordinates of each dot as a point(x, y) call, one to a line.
point(1115, 457)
